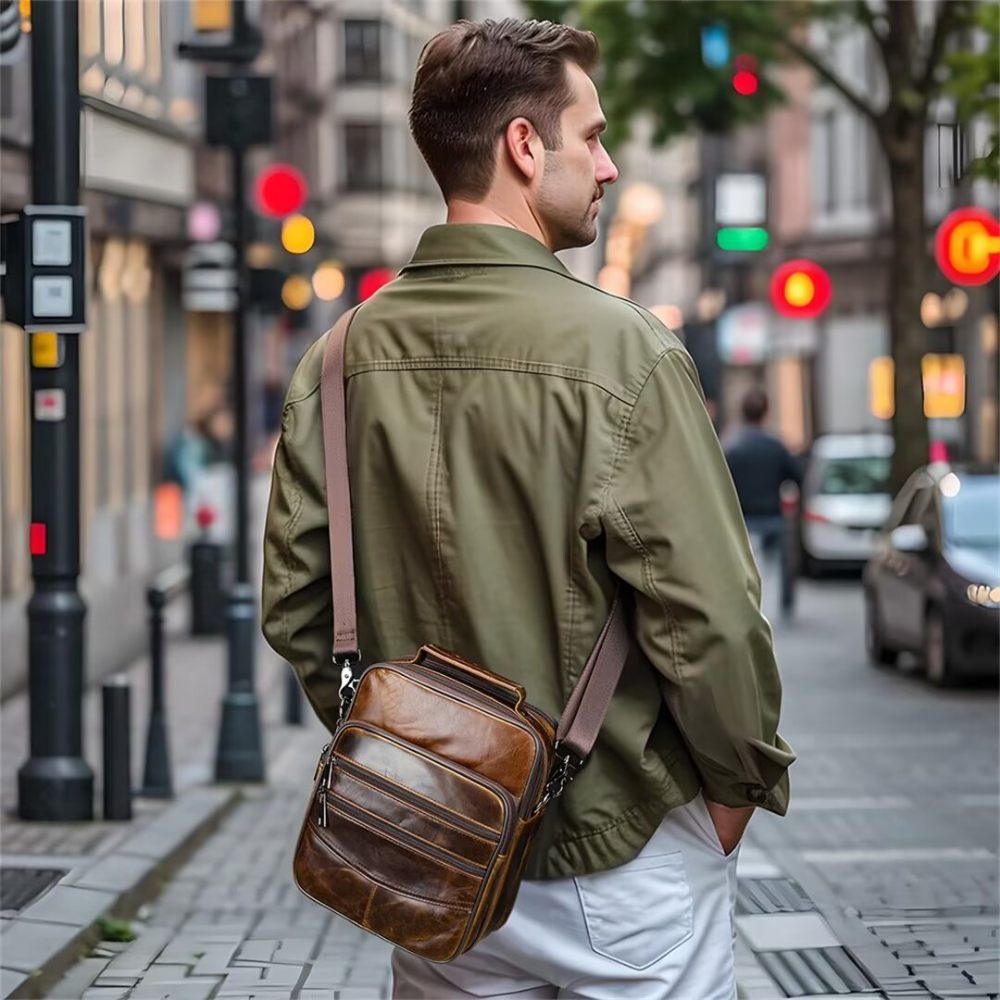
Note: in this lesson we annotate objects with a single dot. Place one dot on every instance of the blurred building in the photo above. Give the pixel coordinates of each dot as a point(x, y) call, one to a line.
point(139, 128)
point(827, 200)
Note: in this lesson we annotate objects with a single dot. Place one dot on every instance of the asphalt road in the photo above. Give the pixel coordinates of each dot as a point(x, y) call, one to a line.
point(894, 816)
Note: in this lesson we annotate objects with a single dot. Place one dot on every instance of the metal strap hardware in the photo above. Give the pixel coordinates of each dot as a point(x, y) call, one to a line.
point(349, 680)
point(565, 768)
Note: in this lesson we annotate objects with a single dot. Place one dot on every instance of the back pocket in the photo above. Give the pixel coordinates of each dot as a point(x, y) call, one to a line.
point(639, 912)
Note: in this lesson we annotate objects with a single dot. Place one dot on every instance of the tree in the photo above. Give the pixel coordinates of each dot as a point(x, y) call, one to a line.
point(651, 51)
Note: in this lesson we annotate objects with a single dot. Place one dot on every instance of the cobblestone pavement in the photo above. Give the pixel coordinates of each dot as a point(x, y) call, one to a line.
point(231, 923)
point(894, 819)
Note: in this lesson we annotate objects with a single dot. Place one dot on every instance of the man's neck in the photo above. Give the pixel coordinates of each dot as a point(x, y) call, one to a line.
point(470, 213)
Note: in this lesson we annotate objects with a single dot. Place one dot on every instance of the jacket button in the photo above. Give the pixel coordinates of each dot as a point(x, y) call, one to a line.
point(589, 531)
point(757, 795)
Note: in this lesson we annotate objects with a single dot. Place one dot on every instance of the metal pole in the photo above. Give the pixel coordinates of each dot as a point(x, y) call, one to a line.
point(56, 783)
point(240, 754)
point(116, 705)
point(156, 778)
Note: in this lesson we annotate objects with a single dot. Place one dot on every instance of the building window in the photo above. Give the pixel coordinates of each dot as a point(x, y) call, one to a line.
point(362, 50)
point(363, 157)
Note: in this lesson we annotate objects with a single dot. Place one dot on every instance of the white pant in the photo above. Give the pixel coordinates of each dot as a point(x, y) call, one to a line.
point(660, 926)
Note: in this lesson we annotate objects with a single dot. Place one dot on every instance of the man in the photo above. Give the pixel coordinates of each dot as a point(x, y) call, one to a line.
point(759, 464)
point(519, 443)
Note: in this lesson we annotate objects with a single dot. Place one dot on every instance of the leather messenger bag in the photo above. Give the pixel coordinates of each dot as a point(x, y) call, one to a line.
point(428, 795)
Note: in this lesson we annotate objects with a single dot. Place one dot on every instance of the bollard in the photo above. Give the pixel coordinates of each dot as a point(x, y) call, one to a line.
point(156, 780)
point(116, 697)
point(208, 599)
point(293, 699)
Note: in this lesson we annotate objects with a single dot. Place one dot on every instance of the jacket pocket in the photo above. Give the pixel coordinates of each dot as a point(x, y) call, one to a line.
point(639, 912)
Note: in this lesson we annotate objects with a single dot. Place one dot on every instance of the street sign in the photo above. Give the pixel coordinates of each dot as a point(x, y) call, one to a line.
point(744, 334)
point(238, 111)
point(740, 199)
point(209, 282)
point(45, 288)
point(967, 246)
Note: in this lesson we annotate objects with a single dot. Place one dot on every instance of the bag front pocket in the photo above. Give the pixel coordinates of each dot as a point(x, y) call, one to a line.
point(639, 912)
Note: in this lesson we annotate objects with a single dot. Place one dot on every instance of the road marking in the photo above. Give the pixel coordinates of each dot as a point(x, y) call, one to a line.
point(800, 803)
point(890, 855)
point(874, 741)
point(985, 800)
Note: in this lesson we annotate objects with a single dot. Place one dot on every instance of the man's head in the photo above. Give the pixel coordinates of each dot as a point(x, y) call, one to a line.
point(506, 116)
point(754, 407)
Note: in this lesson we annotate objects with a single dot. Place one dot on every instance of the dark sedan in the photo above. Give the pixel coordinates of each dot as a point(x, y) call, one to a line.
point(933, 584)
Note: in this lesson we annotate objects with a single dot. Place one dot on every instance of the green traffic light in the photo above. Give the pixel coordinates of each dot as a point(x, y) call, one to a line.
point(746, 238)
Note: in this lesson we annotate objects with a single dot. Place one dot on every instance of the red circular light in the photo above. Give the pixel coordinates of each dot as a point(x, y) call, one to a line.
point(967, 246)
point(800, 289)
point(281, 190)
point(372, 281)
point(745, 82)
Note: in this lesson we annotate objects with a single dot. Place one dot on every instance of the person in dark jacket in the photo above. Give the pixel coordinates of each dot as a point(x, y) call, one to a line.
point(759, 463)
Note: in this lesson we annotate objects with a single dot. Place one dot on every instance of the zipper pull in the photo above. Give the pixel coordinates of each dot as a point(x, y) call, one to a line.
point(320, 762)
point(324, 788)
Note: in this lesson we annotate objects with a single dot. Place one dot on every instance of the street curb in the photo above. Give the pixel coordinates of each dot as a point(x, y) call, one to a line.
point(39, 944)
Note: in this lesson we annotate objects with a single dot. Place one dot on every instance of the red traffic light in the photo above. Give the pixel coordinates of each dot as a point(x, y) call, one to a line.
point(280, 190)
point(800, 289)
point(745, 79)
point(372, 281)
point(967, 246)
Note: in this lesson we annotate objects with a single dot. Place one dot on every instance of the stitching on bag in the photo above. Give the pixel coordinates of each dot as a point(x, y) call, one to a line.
point(384, 883)
point(409, 805)
point(332, 806)
point(461, 777)
point(417, 836)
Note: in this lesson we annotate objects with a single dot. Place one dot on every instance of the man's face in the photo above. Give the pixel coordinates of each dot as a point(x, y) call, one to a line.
point(574, 176)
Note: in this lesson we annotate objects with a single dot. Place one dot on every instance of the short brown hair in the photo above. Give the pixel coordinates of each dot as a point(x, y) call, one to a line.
point(474, 78)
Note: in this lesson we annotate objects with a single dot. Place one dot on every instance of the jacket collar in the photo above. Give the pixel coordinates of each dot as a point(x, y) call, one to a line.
point(460, 243)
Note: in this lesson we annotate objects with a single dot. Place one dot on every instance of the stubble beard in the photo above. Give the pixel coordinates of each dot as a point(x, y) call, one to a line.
point(569, 227)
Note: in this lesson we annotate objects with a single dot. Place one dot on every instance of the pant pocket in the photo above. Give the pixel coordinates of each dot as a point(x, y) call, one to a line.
point(639, 912)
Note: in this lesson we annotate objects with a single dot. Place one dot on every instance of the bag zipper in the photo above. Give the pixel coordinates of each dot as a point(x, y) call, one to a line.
point(423, 805)
point(506, 799)
point(390, 832)
point(444, 687)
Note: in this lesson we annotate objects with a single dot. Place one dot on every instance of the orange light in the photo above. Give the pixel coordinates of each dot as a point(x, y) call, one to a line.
point(967, 246)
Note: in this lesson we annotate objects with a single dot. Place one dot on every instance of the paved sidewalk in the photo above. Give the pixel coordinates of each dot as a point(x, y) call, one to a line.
point(231, 923)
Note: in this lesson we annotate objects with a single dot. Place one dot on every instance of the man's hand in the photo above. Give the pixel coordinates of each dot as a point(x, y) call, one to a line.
point(729, 823)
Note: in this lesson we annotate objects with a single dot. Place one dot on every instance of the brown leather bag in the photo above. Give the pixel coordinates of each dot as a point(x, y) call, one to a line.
point(427, 798)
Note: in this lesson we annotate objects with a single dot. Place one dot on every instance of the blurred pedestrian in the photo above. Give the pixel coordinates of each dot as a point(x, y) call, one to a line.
point(759, 464)
point(521, 444)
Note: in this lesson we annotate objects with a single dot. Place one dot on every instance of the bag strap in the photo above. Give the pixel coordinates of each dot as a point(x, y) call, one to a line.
point(584, 714)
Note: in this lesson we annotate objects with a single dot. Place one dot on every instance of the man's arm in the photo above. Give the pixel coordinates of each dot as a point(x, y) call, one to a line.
point(676, 536)
point(297, 607)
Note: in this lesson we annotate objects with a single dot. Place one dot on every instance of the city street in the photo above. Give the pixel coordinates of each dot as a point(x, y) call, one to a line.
point(894, 797)
point(890, 846)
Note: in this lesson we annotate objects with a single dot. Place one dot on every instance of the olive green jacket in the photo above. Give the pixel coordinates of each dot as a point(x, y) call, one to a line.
point(520, 441)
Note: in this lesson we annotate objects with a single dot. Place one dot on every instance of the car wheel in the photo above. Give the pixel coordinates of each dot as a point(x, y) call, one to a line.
point(936, 663)
point(879, 654)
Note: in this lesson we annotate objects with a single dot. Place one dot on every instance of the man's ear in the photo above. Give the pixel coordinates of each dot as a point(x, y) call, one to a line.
point(524, 147)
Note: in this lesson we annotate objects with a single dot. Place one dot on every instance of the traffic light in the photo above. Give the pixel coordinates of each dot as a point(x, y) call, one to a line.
point(743, 238)
point(745, 79)
point(298, 234)
point(280, 190)
point(372, 281)
point(967, 246)
point(800, 289)
point(212, 15)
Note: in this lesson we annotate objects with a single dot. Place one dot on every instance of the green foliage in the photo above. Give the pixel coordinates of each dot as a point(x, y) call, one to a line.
point(651, 54)
point(112, 929)
point(974, 81)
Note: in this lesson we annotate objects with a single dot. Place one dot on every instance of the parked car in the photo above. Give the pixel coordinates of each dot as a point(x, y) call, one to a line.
point(845, 500)
point(933, 585)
